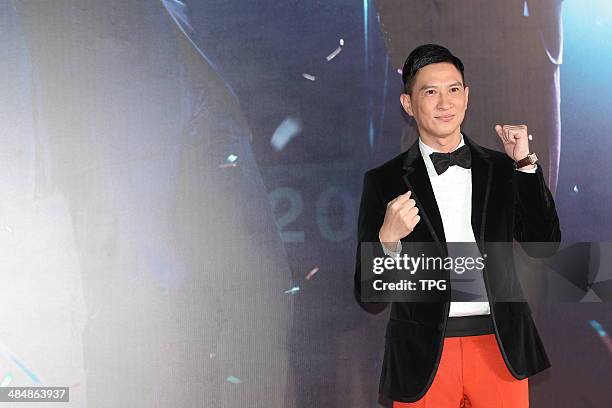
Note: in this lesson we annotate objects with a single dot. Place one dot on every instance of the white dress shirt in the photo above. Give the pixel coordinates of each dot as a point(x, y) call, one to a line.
point(453, 192)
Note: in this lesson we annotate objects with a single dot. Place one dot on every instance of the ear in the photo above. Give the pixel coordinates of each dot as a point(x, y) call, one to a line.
point(406, 103)
point(467, 94)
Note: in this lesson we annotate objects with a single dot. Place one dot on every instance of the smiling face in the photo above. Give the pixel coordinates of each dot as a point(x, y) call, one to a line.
point(438, 102)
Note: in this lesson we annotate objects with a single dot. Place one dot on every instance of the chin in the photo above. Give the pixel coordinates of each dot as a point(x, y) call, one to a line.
point(445, 131)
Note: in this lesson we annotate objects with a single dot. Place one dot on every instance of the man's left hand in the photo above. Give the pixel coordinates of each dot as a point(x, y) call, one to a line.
point(515, 139)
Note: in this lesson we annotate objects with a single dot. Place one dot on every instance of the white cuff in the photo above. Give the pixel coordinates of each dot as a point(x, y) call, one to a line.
point(528, 170)
point(388, 252)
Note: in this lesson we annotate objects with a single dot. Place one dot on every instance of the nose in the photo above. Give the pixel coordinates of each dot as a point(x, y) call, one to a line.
point(444, 102)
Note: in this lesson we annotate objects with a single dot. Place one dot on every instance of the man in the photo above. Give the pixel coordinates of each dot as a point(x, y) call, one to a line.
point(524, 42)
point(445, 188)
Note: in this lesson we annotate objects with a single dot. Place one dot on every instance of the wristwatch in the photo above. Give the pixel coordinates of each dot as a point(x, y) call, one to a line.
point(527, 161)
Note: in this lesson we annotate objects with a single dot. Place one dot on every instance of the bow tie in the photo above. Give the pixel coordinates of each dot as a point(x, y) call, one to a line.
point(461, 157)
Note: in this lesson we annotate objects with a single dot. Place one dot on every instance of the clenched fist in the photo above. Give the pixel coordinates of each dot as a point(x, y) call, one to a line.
point(515, 139)
point(400, 219)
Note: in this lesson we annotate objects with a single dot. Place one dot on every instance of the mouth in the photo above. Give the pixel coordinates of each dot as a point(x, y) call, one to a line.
point(445, 118)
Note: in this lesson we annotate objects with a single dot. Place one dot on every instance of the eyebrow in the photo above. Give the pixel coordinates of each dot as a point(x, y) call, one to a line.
point(433, 86)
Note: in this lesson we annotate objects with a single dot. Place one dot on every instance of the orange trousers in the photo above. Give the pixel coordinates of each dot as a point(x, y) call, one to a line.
point(472, 374)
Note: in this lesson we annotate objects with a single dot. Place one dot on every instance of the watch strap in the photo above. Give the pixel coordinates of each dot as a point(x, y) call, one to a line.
point(529, 160)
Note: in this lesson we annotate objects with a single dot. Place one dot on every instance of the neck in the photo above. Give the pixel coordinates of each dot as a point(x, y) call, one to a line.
point(442, 144)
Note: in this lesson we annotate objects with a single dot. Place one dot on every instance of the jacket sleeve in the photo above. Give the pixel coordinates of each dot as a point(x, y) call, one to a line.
point(535, 215)
point(371, 217)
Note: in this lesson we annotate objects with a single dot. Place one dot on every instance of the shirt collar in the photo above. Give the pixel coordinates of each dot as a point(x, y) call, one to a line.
point(427, 150)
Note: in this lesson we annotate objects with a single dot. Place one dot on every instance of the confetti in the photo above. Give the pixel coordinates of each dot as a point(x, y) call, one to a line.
point(286, 131)
point(293, 290)
point(576, 189)
point(212, 355)
point(342, 42)
point(597, 326)
point(602, 334)
point(233, 380)
point(7, 380)
point(308, 76)
point(8, 229)
point(530, 137)
point(230, 161)
point(399, 71)
point(312, 273)
point(333, 54)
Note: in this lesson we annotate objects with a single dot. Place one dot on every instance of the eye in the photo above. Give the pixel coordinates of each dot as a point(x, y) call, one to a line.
point(430, 92)
point(455, 89)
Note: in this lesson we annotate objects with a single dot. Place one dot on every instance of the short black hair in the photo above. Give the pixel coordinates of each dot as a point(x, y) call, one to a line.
point(424, 55)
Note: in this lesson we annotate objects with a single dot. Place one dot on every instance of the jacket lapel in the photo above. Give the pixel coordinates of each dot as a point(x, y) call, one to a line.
point(416, 180)
point(482, 168)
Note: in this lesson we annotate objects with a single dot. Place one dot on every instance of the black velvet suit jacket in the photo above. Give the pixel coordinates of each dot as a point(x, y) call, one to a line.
point(506, 205)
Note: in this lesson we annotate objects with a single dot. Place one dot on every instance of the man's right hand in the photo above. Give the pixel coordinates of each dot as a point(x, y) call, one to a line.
point(400, 219)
